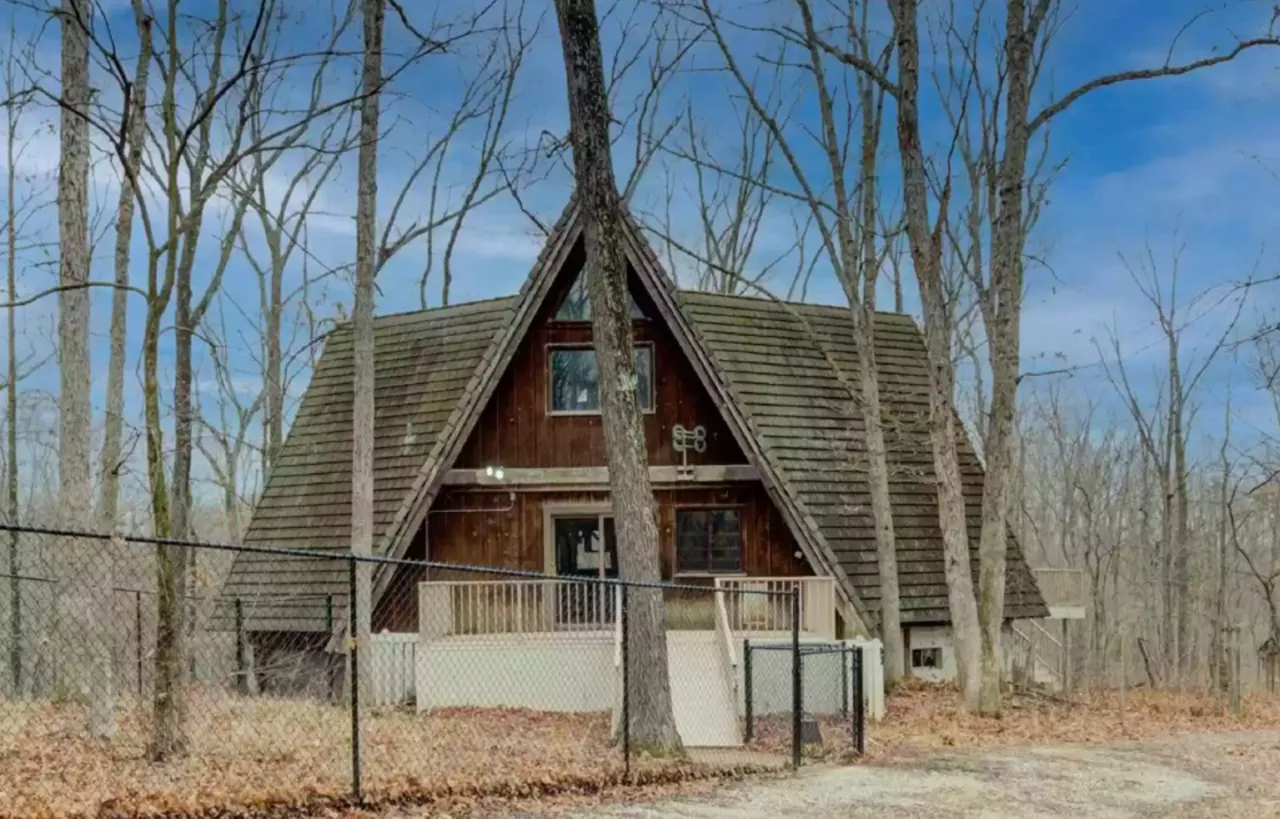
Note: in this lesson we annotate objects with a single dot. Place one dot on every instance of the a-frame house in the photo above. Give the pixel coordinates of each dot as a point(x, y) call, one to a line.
point(489, 451)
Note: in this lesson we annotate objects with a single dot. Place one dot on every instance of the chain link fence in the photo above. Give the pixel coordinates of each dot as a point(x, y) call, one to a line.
point(809, 697)
point(145, 674)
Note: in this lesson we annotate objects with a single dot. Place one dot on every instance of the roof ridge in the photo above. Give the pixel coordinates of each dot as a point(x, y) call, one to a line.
point(810, 305)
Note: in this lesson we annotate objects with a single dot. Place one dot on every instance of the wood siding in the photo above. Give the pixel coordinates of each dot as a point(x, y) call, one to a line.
point(515, 540)
point(518, 430)
point(493, 531)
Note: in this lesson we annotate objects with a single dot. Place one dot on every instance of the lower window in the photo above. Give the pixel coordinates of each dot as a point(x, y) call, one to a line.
point(708, 541)
point(926, 657)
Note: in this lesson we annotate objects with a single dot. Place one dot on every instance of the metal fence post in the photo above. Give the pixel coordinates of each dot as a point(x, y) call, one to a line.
point(797, 680)
point(859, 707)
point(242, 677)
point(353, 648)
point(844, 680)
point(15, 614)
point(748, 698)
point(137, 627)
point(625, 627)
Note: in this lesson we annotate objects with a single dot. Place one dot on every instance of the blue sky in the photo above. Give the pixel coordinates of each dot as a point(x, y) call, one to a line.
point(1168, 162)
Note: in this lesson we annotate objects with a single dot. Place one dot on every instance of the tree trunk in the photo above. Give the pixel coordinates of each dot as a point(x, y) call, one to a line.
point(113, 426)
point(881, 507)
point(926, 257)
point(84, 610)
point(877, 456)
point(362, 322)
point(857, 269)
point(1002, 312)
point(652, 720)
point(275, 369)
point(168, 726)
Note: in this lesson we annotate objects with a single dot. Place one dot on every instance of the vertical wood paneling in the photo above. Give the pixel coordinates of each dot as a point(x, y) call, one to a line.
point(489, 534)
point(517, 429)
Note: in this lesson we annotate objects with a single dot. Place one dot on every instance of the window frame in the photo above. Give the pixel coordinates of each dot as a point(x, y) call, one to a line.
point(551, 348)
point(739, 508)
point(934, 651)
point(564, 294)
point(554, 509)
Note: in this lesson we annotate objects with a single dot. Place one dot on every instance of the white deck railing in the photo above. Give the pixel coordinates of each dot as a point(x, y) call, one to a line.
point(757, 604)
point(749, 604)
point(514, 607)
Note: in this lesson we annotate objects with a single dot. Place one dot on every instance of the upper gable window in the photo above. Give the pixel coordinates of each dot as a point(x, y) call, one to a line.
point(577, 306)
point(575, 380)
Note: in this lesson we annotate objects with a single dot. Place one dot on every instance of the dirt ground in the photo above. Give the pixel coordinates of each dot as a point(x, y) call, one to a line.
point(1230, 774)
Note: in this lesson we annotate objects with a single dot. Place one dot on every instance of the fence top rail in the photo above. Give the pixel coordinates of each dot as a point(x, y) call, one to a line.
point(521, 581)
point(336, 556)
point(805, 648)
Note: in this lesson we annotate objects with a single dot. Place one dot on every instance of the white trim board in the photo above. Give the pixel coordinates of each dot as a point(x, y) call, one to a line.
point(599, 476)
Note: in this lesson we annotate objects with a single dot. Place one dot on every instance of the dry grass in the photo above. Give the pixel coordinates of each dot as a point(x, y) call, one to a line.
point(272, 755)
point(922, 717)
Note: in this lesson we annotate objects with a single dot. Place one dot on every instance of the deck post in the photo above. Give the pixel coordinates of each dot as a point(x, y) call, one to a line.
point(748, 703)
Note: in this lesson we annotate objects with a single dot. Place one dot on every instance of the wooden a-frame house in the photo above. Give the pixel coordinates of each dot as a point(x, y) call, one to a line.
point(489, 450)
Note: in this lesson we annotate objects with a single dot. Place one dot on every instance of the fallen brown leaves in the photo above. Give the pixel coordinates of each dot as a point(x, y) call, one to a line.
point(922, 717)
point(267, 757)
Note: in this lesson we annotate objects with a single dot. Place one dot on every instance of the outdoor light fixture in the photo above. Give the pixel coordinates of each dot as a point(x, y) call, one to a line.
point(495, 472)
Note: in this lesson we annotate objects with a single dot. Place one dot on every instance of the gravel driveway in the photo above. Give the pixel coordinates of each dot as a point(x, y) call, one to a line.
point(1198, 775)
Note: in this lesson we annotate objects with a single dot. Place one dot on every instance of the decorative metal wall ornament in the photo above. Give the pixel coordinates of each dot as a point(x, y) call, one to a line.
point(683, 440)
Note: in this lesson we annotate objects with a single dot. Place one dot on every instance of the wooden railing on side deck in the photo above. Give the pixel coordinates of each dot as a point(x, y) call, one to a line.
point(750, 610)
point(1064, 591)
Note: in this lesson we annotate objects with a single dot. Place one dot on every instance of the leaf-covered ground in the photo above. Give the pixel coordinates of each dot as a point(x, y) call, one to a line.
point(922, 717)
point(273, 757)
point(265, 757)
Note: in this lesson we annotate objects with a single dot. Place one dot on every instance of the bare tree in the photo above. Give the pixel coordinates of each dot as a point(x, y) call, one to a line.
point(652, 719)
point(1163, 428)
point(20, 213)
point(847, 221)
point(1028, 30)
point(87, 650)
point(132, 126)
point(362, 319)
point(230, 435)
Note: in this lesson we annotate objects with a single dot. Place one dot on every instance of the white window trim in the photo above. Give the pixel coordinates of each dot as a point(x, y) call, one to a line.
point(551, 511)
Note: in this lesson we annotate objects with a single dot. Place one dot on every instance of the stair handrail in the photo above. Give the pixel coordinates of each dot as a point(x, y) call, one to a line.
point(1033, 650)
point(727, 652)
point(724, 632)
point(1047, 634)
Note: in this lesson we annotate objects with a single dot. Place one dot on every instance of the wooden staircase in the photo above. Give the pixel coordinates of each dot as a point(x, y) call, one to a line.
point(1034, 655)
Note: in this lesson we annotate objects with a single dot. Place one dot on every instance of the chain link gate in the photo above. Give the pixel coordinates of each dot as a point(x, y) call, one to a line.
point(828, 712)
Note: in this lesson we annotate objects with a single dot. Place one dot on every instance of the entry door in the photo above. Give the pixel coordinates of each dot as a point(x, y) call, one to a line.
point(586, 546)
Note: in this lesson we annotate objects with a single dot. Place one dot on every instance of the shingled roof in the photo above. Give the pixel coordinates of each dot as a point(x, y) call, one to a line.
point(423, 363)
point(783, 365)
point(777, 371)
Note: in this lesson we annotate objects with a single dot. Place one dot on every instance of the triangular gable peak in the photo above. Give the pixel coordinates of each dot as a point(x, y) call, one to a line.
point(544, 413)
point(656, 294)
